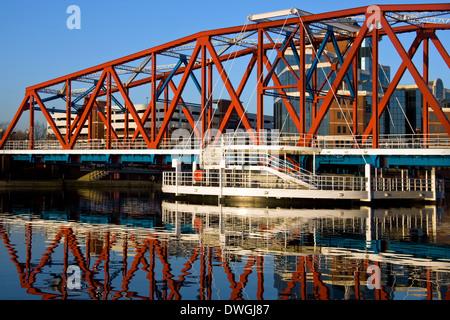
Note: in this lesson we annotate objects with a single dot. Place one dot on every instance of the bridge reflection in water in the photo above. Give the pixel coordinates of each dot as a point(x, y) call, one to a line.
point(129, 247)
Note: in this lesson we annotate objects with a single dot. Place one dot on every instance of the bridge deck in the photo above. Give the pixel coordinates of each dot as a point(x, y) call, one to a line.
point(404, 149)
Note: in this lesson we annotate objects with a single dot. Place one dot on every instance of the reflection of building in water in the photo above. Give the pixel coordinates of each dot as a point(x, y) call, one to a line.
point(263, 253)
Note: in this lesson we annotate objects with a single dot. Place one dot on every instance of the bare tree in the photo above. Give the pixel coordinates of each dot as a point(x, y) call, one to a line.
point(40, 131)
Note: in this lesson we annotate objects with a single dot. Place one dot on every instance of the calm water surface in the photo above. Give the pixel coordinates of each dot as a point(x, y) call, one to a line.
point(133, 244)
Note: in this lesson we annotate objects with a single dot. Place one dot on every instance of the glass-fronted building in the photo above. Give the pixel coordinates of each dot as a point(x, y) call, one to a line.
point(403, 115)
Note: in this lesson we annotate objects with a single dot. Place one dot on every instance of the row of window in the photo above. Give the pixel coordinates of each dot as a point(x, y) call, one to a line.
point(340, 115)
point(434, 116)
point(341, 129)
point(436, 128)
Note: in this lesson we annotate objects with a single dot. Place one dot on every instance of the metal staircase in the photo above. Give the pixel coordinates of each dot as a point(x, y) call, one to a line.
point(269, 163)
point(289, 171)
point(94, 175)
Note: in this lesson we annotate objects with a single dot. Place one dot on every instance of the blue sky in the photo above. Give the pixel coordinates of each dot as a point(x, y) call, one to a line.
point(37, 46)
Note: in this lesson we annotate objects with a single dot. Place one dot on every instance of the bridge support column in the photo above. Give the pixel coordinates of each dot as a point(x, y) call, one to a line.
point(368, 176)
point(176, 163)
point(433, 183)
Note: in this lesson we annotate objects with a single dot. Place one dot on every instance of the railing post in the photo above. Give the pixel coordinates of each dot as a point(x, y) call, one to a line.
point(368, 182)
point(433, 184)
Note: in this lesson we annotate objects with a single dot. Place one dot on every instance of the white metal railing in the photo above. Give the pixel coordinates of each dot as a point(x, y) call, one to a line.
point(408, 184)
point(391, 141)
point(268, 138)
point(262, 179)
point(263, 158)
point(265, 138)
point(38, 144)
point(115, 144)
point(259, 179)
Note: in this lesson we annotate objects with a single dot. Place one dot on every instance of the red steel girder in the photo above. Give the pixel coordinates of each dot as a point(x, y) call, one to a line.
point(177, 97)
point(423, 87)
point(337, 81)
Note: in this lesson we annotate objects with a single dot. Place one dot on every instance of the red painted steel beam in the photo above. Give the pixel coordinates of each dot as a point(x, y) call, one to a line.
point(153, 100)
point(31, 126)
point(238, 29)
point(301, 83)
point(203, 94)
point(130, 106)
point(104, 119)
point(148, 110)
point(68, 110)
point(49, 119)
point(423, 87)
point(229, 86)
point(375, 88)
point(259, 85)
point(425, 78)
point(444, 54)
point(210, 101)
point(236, 294)
point(393, 85)
point(87, 110)
point(239, 91)
point(290, 108)
point(177, 96)
point(12, 125)
point(225, 31)
point(337, 81)
point(187, 113)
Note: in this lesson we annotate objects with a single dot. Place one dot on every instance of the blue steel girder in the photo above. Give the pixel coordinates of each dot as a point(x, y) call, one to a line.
point(84, 94)
point(341, 60)
point(314, 64)
point(194, 78)
point(171, 75)
point(53, 110)
point(115, 100)
point(74, 102)
point(287, 42)
point(329, 35)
